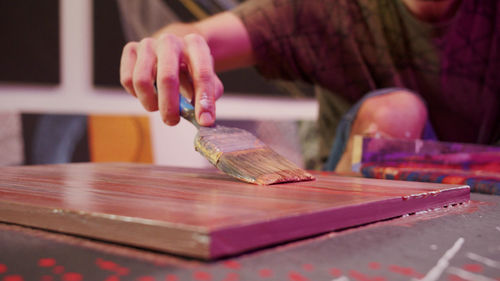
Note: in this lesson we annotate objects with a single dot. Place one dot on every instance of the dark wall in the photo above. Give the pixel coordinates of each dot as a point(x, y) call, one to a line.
point(29, 48)
point(109, 40)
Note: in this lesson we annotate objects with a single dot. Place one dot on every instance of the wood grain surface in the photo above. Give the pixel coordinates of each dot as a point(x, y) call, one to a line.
point(201, 213)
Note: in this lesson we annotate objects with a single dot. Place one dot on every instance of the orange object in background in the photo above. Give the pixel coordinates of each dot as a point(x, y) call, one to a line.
point(119, 138)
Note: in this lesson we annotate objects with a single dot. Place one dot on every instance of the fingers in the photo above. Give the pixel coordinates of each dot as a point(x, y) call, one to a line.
point(144, 73)
point(127, 63)
point(168, 50)
point(207, 86)
point(167, 61)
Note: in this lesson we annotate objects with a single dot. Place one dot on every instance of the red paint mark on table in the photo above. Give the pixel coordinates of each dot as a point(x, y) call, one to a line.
point(14, 277)
point(47, 278)
point(453, 277)
point(123, 270)
point(171, 277)
point(374, 265)
point(72, 276)
point(232, 264)
point(202, 276)
point(46, 262)
point(265, 272)
point(112, 278)
point(363, 277)
point(3, 268)
point(106, 265)
point(335, 272)
point(146, 278)
point(406, 271)
point(295, 276)
point(232, 276)
point(59, 269)
point(308, 267)
point(473, 267)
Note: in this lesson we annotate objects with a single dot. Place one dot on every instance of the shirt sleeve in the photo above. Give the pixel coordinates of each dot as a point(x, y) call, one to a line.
point(283, 34)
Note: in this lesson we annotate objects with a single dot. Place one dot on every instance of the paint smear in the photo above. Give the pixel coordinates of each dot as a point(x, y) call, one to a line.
point(72, 276)
point(3, 268)
point(13, 278)
point(295, 276)
point(232, 264)
point(202, 276)
point(265, 272)
point(46, 262)
point(473, 267)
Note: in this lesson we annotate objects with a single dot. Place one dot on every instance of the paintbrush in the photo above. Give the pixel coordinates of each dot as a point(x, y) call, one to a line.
point(240, 154)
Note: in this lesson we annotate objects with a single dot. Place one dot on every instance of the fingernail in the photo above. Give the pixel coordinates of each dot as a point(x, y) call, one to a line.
point(205, 101)
point(206, 118)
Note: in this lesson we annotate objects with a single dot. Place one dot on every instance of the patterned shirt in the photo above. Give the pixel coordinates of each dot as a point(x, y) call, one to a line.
point(351, 47)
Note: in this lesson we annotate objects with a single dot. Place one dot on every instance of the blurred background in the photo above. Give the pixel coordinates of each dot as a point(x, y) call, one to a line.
point(61, 101)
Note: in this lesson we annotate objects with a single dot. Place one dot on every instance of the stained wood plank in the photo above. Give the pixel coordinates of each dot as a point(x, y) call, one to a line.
point(201, 213)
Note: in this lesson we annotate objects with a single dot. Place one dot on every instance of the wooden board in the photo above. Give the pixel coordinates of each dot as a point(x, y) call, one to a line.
point(201, 213)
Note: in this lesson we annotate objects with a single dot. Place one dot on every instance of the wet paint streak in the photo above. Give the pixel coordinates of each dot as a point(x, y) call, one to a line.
point(295, 276)
point(473, 267)
point(232, 276)
point(202, 276)
point(72, 276)
point(46, 262)
point(232, 264)
point(13, 278)
point(112, 278)
point(59, 269)
point(406, 271)
point(335, 272)
point(308, 267)
point(171, 277)
point(265, 272)
point(363, 277)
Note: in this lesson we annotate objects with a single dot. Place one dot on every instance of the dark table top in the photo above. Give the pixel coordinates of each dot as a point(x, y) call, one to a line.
point(459, 242)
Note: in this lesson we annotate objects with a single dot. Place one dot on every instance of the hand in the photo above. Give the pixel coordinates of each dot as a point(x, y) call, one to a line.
point(176, 64)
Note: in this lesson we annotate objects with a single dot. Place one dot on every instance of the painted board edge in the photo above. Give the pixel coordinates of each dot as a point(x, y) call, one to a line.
point(141, 233)
point(234, 240)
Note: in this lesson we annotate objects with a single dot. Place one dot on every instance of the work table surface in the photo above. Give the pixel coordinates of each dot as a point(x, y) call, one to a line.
point(460, 241)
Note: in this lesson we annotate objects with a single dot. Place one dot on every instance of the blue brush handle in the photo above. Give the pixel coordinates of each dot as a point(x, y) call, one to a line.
point(187, 110)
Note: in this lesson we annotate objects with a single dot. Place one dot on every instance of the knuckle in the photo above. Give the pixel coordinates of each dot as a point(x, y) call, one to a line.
point(194, 38)
point(204, 74)
point(142, 83)
point(130, 46)
point(169, 78)
point(148, 41)
point(126, 81)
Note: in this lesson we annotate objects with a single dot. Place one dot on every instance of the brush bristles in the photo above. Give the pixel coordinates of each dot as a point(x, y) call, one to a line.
point(261, 166)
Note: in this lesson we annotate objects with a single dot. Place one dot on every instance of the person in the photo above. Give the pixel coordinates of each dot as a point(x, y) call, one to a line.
point(401, 69)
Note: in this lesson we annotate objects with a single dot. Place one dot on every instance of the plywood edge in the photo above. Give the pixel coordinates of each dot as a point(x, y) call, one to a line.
point(238, 239)
point(156, 235)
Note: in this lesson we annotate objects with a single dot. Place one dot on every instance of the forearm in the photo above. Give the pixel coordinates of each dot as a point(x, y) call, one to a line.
point(225, 35)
